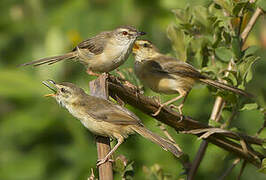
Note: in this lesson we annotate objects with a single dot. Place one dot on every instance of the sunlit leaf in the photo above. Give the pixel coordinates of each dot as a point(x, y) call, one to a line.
point(263, 166)
point(250, 106)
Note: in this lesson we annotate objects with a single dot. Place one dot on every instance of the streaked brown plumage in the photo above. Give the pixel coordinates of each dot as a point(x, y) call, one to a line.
point(103, 117)
point(101, 53)
point(164, 74)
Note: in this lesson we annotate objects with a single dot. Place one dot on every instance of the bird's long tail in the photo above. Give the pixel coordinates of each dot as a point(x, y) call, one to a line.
point(226, 87)
point(51, 60)
point(165, 144)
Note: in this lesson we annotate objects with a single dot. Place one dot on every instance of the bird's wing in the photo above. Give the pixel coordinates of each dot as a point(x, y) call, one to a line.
point(107, 111)
point(172, 66)
point(94, 45)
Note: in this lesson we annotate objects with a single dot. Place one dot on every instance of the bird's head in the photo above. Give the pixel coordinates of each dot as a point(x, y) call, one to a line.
point(144, 50)
point(127, 34)
point(65, 93)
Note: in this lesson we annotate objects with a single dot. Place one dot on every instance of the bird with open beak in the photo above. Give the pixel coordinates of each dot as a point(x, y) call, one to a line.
point(103, 117)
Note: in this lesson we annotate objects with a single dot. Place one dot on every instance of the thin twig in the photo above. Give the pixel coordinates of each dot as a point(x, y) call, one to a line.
point(217, 109)
point(197, 160)
point(261, 129)
point(241, 170)
point(228, 122)
point(250, 24)
point(229, 170)
point(263, 125)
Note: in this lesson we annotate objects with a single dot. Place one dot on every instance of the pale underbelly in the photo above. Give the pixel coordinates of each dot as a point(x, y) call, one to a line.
point(106, 65)
point(103, 63)
point(106, 129)
point(170, 86)
point(101, 127)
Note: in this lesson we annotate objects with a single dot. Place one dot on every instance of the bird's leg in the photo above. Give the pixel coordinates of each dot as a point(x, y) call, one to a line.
point(92, 73)
point(167, 103)
point(180, 107)
point(121, 75)
point(106, 75)
point(106, 158)
point(123, 78)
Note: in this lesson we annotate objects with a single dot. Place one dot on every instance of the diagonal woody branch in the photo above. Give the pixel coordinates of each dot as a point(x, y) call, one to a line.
point(148, 106)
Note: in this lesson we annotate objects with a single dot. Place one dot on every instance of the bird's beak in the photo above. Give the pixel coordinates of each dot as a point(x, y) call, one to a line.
point(140, 33)
point(48, 84)
point(135, 48)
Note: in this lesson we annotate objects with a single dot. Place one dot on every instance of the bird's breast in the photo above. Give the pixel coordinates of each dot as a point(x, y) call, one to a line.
point(110, 59)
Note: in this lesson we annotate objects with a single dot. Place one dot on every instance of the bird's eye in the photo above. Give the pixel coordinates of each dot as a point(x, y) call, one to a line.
point(145, 45)
point(124, 32)
point(63, 90)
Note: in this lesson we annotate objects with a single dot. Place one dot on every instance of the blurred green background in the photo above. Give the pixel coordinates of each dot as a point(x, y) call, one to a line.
point(40, 140)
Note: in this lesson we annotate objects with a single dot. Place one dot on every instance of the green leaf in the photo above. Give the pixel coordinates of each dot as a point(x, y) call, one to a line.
point(182, 15)
point(119, 165)
point(250, 106)
point(245, 68)
point(201, 15)
point(124, 168)
point(261, 4)
point(213, 123)
point(236, 48)
point(263, 166)
point(156, 172)
point(213, 70)
point(129, 171)
point(224, 54)
point(178, 39)
point(230, 80)
point(251, 51)
point(232, 77)
point(234, 129)
point(225, 4)
point(241, 7)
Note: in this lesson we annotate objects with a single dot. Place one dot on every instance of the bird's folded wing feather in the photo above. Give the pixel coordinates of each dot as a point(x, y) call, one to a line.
point(109, 112)
point(96, 44)
point(172, 66)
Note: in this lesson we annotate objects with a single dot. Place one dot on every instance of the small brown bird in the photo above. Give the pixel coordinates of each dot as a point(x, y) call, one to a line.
point(101, 53)
point(103, 117)
point(168, 75)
